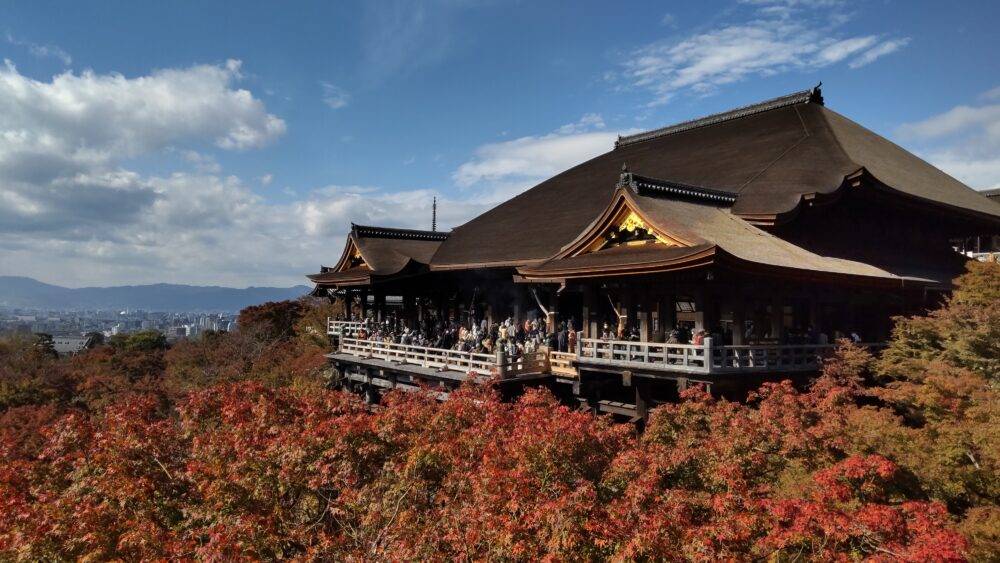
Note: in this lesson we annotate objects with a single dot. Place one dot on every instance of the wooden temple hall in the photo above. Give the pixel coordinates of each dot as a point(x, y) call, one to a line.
point(718, 251)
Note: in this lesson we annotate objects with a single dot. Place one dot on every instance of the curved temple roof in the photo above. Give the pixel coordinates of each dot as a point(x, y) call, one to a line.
point(710, 233)
point(771, 155)
point(379, 252)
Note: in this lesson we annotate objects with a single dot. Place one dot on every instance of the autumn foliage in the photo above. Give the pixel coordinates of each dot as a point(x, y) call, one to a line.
point(232, 447)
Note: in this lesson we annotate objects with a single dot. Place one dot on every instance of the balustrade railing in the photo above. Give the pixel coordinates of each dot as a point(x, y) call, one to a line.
point(626, 353)
point(438, 358)
point(342, 328)
point(525, 364)
point(561, 363)
point(706, 358)
point(690, 358)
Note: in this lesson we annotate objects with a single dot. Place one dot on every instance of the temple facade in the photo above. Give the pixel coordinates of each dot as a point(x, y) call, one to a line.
point(718, 251)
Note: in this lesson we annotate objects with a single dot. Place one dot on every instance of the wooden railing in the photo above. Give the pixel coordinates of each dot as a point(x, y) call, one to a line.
point(342, 328)
point(687, 358)
point(706, 358)
point(561, 363)
point(455, 360)
point(773, 357)
point(624, 353)
point(525, 364)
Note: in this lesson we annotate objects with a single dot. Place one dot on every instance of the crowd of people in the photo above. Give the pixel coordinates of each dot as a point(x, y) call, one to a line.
point(513, 338)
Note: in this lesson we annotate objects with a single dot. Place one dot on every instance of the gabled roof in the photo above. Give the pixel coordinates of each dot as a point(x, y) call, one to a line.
point(771, 155)
point(379, 252)
point(706, 234)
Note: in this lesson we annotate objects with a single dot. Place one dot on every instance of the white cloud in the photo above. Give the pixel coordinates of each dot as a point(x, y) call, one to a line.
point(201, 162)
point(42, 51)
point(880, 51)
point(200, 229)
point(334, 96)
point(840, 50)
point(500, 170)
point(781, 36)
point(963, 141)
point(993, 94)
point(959, 119)
point(107, 116)
point(399, 37)
point(71, 211)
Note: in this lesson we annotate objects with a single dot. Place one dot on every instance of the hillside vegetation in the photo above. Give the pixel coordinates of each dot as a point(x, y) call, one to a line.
point(231, 446)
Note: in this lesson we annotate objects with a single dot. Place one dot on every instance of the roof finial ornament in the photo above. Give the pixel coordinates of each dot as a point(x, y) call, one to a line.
point(434, 215)
point(626, 177)
point(816, 94)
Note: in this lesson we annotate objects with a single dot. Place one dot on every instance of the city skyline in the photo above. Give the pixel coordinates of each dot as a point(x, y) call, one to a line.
point(235, 150)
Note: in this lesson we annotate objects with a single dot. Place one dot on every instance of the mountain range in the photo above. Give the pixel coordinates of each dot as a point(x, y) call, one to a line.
point(28, 293)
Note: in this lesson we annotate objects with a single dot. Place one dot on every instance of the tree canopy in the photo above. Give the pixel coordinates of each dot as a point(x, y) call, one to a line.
point(231, 446)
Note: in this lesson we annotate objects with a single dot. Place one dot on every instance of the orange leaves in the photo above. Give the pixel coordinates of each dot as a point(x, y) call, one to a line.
point(247, 470)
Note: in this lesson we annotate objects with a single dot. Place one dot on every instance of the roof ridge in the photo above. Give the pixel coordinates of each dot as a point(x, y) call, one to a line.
point(813, 95)
point(368, 231)
point(648, 184)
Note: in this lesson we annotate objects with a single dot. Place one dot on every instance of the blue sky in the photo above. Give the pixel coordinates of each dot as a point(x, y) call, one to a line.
point(215, 143)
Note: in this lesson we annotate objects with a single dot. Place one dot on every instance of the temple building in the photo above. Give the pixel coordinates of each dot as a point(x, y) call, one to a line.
point(719, 250)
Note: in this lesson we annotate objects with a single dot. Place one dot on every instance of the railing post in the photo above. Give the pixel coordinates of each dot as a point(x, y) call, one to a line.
point(501, 360)
point(708, 354)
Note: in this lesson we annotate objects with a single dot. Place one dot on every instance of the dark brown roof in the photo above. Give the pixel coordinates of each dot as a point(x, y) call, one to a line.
point(352, 276)
point(708, 229)
point(386, 251)
point(618, 260)
point(771, 155)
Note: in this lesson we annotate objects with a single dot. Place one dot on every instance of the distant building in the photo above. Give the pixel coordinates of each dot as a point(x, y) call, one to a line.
point(71, 345)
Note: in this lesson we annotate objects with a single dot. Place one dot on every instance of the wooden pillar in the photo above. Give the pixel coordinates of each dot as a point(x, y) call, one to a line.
point(669, 313)
point(552, 304)
point(643, 400)
point(642, 315)
point(645, 328)
point(814, 310)
point(379, 304)
point(408, 309)
point(363, 296)
point(739, 320)
point(712, 307)
point(626, 313)
point(777, 318)
point(588, 311)
point(699, 307)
